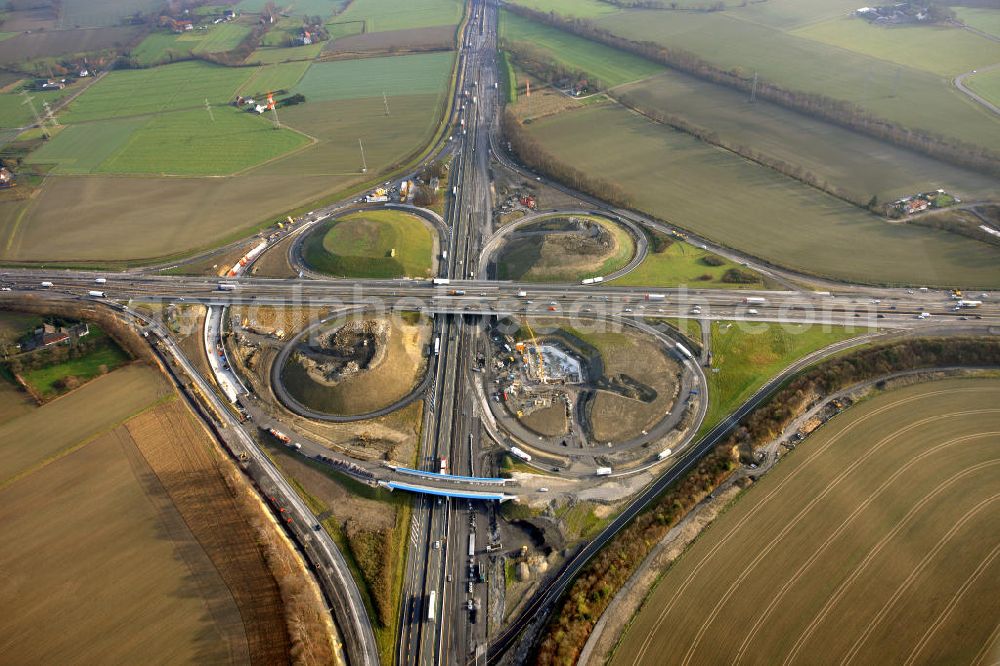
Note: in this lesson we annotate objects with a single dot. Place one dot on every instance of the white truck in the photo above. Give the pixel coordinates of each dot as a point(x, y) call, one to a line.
point(522, 294)
point(754, 300)
point(515, 451)
point(47, 285)
point(228, 286)
point(100, 280)
point(96, 294)
point(656, 297)
point(664, 454)
point(684, 350)
point(603, 471)
point(441, 281)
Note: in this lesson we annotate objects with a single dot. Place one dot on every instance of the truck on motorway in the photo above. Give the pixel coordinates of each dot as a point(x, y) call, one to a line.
point(472, 545)
point(444, 255)
point(441, 281)
point(96, 294)
point(593, 280)
point(432, 606)
point(664, 454)
point(754, 300)
point(457, 292)
point(968, 304)
point(228, 286)
point(603, 471)
point(443, 466)
point(752, 311)
point(684, 350)
point(280, 436)
point(100, 280)
point(47, 285)
point(522, 294)
point(655, 297)
point(437, 345)
point(454, 190)
point(515, 451)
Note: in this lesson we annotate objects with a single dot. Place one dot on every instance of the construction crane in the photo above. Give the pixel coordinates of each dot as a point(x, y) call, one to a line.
point(540, 369)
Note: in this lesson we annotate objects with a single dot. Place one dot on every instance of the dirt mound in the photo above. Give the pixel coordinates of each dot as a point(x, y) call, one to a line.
point(356, 347)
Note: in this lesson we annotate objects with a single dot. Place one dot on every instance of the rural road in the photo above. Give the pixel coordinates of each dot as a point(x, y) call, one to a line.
point(960, 84)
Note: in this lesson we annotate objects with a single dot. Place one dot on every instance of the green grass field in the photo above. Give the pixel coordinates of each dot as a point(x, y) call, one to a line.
point(903, 94)
point(177, 143)
point(144, 91)
point(847, 160)
point(577, 8)
point(359, 245)
point(15, 113)
point(754, 209)
point(104, 358)
point(610, 66)
point(222, 37)
point(747, 354)
point(986, 84)
point(340, 29)
point(161, 47)
point(874, 542)
point(269, 78)
point(382, 15)
point(945, 51)
point(987, 20)
point(370, 77)
point(682, 264)
point(83, 148)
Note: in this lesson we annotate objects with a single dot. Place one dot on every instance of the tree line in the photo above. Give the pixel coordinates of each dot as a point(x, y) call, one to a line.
point(531, 153)
point(839, 112)
point(591, 592)
point(537, 62)
point(794, 171)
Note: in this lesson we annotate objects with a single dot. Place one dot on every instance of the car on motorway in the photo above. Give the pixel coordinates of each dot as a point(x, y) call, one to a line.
point(437, 545)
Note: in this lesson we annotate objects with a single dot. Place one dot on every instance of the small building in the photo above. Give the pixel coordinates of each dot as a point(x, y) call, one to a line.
point(306, 38)
point(50, 334)
point(6, 177)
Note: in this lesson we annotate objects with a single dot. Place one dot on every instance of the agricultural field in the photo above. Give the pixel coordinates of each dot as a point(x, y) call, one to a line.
point(371, 527)
point(609, 66)
point(843, 159)
point(945, 51)
point(28, 47)
point(382, 15)
point(398, 368)
point(577, 8)
point(984, 19)
point(60, 426)
point(271, 78)
point(189, 142)
point(380, 244)
point(684, 264)
point(874, 541)
point(15, 113)
point(904, 94)
point(987, 84)
point(746, 354)
point(298, 7)
point(556, 250)
point(135, 92)
point(417, 74)
point(97, 13)
point(93, 219)
point(754, 209)
point(273, 54)
point(436, 38)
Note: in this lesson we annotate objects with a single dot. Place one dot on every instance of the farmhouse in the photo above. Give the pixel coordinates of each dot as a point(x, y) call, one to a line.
point(6, 177)
point(50, 334)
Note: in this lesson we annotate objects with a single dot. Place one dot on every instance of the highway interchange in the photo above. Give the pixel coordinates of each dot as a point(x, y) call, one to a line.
point(438, 562)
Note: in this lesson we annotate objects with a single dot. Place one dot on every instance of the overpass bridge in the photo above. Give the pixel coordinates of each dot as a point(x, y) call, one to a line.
point(444, 492)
